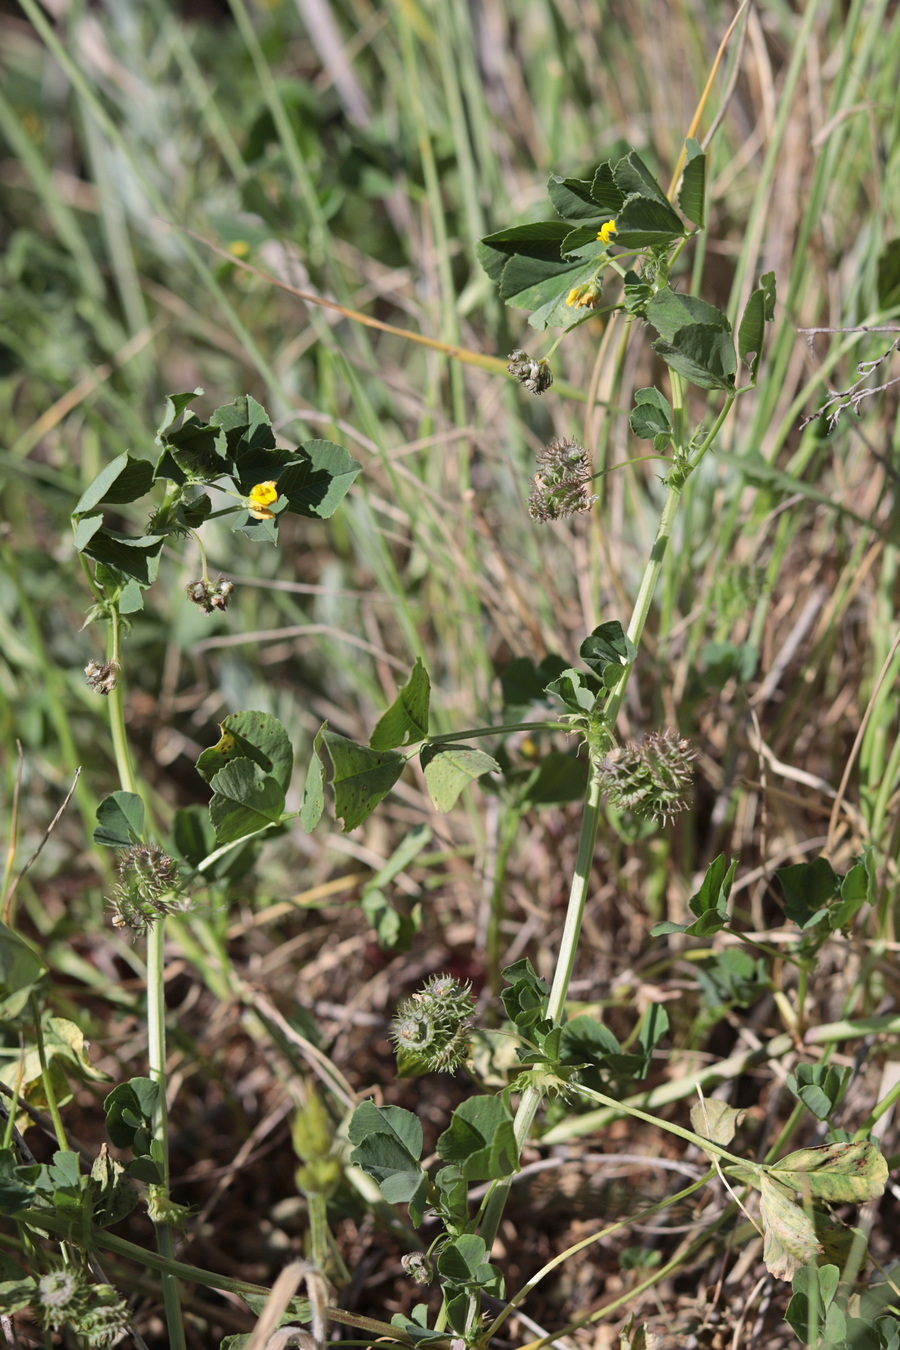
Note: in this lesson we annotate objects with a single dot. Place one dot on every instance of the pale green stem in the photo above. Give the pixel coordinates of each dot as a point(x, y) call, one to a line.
point(531, 1097)
point(156, 1012)
point(156, 1057)
point(116, 705)
point(688, 1136)
point(878, 1110)
point(645, 596)
point(317, 1209)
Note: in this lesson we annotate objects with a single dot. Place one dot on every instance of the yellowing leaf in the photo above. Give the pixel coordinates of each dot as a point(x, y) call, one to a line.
point(716, 1120)
point(839, 1173)
point(789, 1239)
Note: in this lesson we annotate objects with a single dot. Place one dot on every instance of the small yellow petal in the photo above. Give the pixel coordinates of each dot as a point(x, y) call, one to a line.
point(606, 231)
point(263, 494)
point(260, 498)
point(239, 248)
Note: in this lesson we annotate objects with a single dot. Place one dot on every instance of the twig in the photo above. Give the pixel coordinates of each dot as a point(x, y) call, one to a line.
point(853, 395)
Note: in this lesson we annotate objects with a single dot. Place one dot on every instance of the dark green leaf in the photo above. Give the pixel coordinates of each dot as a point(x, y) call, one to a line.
point(858, 888)
point(889, 275)
point(584, 1039)
point(362, 777)
point(759, 310)
point(525, 999)
point(540, 242)
point(317, 478)
point(605, 192)
point(527, 264)
point(15, 1192)
point(193, 511)
point(480, 1139)
point(670, 312)
point(523, 682)
point(256, 736)
point(819, 1086)
point(129, 1110)
point(450, 768)
point(419, 1334)
point(607, 650)
point(715, 887)
point(692, 194)
point(460, 1259)
point(137, 558)
point(175, 406)
point(245, 800)
point(703, 354)
point(313, 803)
point(120, 820)
point(247, 428)
point(631, 175)
point(654, 1025)
point(556, 778)
point(809, 888)
point(194, 839)
point(575, 690)
point(406, 720)
point(145, 1169)
point(405, 1128)
point(388, 1147)
point(20, 969)
point(644, 223)
point(124, 480)
point(572, 199)
point(651, 415)
point(544, 289)
point(196, 448)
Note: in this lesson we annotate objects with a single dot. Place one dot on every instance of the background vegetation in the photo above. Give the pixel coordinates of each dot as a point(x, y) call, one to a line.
point(170, 177)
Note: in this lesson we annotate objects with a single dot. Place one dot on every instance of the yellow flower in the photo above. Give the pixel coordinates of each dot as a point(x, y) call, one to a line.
point(583, 297)
point(259, 500)
point(606, 232)
point(239, 247)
